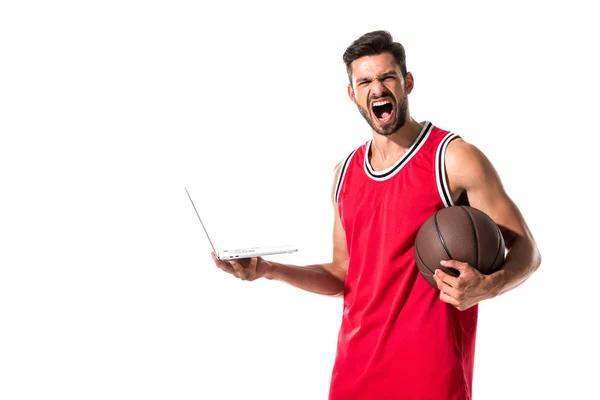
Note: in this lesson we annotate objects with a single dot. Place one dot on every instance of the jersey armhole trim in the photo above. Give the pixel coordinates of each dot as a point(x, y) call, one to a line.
point(440, 170)
point(340, 179)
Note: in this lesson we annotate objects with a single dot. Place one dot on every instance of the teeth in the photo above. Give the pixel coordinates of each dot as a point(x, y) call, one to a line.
point(381, 102)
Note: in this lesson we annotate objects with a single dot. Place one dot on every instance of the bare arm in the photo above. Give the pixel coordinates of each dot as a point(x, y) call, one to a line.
point(470, 173)
point(326, 279)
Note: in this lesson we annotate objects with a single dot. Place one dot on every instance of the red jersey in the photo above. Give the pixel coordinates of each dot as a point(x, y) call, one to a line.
point(397, 340)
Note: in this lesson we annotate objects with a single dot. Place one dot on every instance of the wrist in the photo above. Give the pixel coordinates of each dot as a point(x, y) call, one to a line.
point(495, 283)
point(271, 270)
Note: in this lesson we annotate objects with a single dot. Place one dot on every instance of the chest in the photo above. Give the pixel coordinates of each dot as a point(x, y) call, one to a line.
point(395, 206)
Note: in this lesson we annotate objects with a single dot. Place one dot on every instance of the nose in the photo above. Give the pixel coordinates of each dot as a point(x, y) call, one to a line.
point(377, 88)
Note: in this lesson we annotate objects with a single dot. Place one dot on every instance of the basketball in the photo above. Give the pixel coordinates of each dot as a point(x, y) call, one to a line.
point(458, 233)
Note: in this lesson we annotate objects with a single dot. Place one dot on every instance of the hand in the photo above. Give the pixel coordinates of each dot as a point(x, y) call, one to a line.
point(465, 290)
point(247, 269)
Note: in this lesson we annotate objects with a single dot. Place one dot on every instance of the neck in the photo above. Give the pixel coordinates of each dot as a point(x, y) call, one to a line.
point(391, 147)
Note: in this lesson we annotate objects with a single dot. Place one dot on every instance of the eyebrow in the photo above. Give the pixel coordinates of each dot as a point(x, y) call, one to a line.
point(388, 73)
point(384, 75)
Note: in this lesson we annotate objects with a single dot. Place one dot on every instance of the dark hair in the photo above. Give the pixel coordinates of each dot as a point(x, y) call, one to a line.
point(374, 43)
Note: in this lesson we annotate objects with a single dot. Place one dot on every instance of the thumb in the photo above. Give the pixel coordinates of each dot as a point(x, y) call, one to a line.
point(458, 265)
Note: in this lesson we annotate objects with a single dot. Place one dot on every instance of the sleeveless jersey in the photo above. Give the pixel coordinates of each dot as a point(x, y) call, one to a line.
point(397, 339)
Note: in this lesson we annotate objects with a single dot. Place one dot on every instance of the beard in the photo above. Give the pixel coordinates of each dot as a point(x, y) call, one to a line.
point(400, 110)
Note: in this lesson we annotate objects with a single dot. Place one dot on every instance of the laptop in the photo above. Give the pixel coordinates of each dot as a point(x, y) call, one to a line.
point(243, 252)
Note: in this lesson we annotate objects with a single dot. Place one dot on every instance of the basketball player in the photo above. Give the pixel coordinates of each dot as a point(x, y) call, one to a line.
point(399, 338)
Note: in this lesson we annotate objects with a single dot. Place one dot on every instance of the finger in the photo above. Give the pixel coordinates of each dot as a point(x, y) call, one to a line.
point(215, 259)
point(457, 265)
point(446, 298)
point(446, 288)
point(447, 278)
point(239, 270)
point(252, 270)
point(225, 266)
point(437, 280)
point(253, 263)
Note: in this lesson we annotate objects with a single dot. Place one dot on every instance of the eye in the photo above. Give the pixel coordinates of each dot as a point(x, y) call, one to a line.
point(388, 78)
point(362, 83)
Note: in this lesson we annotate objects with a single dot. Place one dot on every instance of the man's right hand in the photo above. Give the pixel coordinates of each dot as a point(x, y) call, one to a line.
point(246, 269)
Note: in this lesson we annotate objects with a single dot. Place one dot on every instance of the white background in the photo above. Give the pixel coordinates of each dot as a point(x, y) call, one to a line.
point(108, 109)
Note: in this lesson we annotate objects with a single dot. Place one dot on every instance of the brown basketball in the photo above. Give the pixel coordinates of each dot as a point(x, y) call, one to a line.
point(458, 233)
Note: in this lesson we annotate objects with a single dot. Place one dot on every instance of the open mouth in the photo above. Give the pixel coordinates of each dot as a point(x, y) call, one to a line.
point(383, 110)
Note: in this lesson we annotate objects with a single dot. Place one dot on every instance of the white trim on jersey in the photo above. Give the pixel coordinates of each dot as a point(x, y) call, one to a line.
point(340, 179)
point(440, 170)
point(410, 153)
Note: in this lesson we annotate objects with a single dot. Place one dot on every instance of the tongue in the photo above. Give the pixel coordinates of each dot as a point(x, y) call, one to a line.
point(385, 114)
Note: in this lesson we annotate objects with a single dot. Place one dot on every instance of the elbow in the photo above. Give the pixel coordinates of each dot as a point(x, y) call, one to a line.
point(340, 287)
point(537, 258)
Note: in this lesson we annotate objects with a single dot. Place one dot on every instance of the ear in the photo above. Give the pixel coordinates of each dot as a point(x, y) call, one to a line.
point(409, 82)
point(351, 93)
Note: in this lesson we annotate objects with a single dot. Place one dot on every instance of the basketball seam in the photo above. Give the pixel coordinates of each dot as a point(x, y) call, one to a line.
point(499, 245)
point(421, 258)
point(437, 228)
point(476, 237)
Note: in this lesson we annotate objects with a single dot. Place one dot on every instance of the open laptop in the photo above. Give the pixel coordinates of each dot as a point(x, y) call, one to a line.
point(245, 252)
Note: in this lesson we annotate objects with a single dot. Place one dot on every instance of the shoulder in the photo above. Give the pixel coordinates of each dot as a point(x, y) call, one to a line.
point(460, 153)
point(466, 165)
point(337, 170)
point(342, 167)
point(336, 177)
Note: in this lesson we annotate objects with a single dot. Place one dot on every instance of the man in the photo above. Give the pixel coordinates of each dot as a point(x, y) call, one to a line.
point(400, 338)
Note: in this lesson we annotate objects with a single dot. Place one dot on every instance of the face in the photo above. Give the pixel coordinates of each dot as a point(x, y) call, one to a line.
point(380, 92)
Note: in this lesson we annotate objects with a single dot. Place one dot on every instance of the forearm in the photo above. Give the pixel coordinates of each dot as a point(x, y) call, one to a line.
point(522, 260)
point(312, 278)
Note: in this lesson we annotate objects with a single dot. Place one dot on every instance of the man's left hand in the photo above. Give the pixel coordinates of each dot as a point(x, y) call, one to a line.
point(465, 290)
